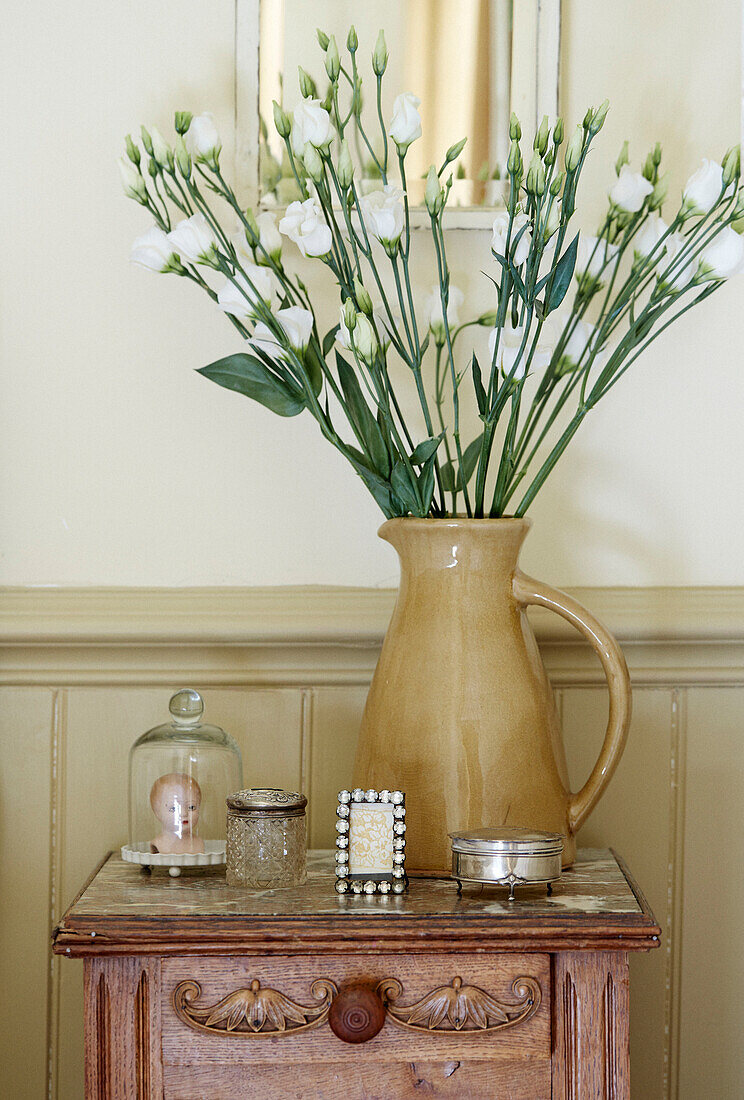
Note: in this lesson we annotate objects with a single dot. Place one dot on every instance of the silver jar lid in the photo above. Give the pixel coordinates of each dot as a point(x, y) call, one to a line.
point(267, 800)
point(507, 840)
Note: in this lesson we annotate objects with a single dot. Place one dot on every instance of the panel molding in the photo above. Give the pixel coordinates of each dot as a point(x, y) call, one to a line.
point(296, 636)
point(300, 635)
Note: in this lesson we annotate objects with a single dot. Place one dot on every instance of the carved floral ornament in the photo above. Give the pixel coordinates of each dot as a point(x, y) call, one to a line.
point(257, 1013)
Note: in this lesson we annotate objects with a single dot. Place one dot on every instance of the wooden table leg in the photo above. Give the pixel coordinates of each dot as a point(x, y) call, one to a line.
point(122, 1029)
point(591, 1054)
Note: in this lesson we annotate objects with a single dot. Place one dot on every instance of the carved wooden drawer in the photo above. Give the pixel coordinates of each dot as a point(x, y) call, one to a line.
point(465, 1025)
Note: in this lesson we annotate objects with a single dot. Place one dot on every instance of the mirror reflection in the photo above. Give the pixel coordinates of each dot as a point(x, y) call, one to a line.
point(455, 55)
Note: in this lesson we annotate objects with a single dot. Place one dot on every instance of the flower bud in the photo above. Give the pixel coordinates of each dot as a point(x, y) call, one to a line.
point(161, 150)
point(515, 130)
point(380, 55)
point(183, 160)
point(345, 169)
point(352, 42)
point(549, 158)
point(132, 181)
point(153, 168)
point(649, 168)
point(282, 121)
point(556, 184)
point(252, 231)
point(489, 319)
point(731, 165)
point(552, 222)
point(146, 141)
point(622, 159)
point(657, 154)
point(535, 182)
point(659, 193)
point(132, 150)
point(350, 316)
point(323, 38)
point(454, 151)
point(433, 193)
point(365, 340)
point(599, 116)
point(363, 299)
point(558, 132)
point(514, 163)
point(588, 118)
point(738, 211)
point(541, 137)
point(307, 84)
point(327, 103)
point(183, 121)
point(332, 59)
point(574, 149)
point(313, 163)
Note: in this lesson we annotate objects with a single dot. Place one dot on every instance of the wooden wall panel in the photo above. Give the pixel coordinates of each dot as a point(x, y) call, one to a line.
point(634, 817)
point(711, 1047)
point(26, 776)
point(287, 674)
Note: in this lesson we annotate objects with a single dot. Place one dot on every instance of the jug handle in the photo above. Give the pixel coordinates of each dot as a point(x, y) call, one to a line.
point(527, 590)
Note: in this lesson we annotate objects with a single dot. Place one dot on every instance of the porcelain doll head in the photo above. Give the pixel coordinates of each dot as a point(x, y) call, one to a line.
point(176, 800)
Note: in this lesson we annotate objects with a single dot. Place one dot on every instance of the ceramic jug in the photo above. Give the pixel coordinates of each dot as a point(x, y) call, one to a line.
point(460, 714)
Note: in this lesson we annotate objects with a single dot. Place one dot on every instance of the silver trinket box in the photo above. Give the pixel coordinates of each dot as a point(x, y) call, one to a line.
point(506, 856)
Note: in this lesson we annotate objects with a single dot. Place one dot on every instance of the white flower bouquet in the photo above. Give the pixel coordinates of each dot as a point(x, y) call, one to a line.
point(549, 362)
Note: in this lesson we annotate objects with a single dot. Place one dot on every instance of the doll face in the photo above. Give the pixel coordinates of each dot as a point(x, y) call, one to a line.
point(177, 807)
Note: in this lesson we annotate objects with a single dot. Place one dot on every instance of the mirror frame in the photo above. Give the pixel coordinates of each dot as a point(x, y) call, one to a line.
point(534, 92)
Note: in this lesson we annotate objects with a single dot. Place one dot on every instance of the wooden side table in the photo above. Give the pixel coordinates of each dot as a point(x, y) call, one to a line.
point(197, 989)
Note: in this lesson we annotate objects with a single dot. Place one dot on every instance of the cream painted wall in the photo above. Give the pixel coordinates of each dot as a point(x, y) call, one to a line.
point(119, 465)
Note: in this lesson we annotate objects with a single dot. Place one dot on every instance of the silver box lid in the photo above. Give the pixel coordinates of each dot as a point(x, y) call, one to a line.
point(507, 840)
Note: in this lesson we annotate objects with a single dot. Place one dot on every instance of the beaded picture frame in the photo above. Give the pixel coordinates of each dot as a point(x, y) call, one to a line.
point(371, 842)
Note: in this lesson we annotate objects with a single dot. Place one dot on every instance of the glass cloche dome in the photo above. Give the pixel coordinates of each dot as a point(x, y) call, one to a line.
point(180, 774)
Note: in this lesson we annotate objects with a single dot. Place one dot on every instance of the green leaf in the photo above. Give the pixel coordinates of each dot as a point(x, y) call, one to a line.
point(406, 492)
point(362, 419)
point(425, 450)
point(314, 367)
point(426, 485)
point(480, 394)
point(247, 375)
point(469, 461)
point(564, 270)
point(329, 339)
point(378, 487)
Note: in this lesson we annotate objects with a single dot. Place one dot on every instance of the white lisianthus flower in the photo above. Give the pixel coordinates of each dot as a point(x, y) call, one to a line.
point(311, 124)
point(521, 251)
point(578, 346)
point(383, 325)
point(723, 257)
point(303, 223)
point(154, 251)
point(702, 190)
point(131, 180)
point(264, 340)
point(384, 214)
point(510, 342)
point(680, 277)
point(297, 324)
point(594, 257)
point(630, 190)
point(365, 341)
point(343, 336)
point(161, 150)
point(241, 297)
point(194, 240)
point(434, 315)
point(269, 237)
point(652, 231)
point(202, 139)
point(405, 127)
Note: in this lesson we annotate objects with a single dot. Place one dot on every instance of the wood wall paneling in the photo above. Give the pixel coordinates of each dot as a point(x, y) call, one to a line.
point(291, 686)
